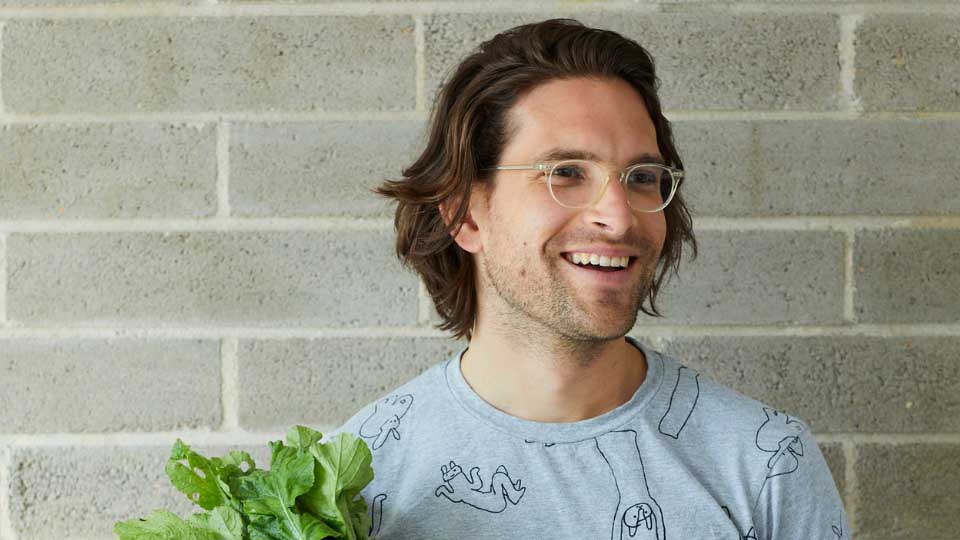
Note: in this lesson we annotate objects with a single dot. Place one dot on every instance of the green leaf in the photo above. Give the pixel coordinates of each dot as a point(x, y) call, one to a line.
point(303, 437)
point(224, 520)
point(164, 525)
point(208, 483)
point(273, 494)
point(342, 471)
point(301, 526)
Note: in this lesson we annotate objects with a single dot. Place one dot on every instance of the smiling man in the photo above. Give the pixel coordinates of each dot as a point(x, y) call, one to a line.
point(542, 215)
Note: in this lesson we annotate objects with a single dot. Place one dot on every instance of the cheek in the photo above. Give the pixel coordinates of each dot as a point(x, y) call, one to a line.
point(657, 227)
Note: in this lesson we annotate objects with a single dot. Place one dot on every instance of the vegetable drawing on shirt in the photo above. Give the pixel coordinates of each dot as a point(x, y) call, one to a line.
point(771, 438)
point(459, 489)
point(384, 422)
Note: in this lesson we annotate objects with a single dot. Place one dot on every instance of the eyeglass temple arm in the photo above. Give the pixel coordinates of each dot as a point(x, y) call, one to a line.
point(537, 166)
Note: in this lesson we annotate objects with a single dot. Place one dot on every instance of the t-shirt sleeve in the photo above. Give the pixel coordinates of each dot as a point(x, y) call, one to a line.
point(799, 498)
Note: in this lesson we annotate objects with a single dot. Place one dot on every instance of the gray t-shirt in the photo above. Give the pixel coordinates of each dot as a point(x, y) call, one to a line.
point(684, 458)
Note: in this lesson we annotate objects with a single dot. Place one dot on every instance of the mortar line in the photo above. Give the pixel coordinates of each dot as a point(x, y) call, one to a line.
point(454, 7)
point(890, 438)
point(374, 223)
point(242, 436)
point(849, 281)
point(665, 332)
point(2, 106)
point(229, 385)
point(421, 62)
point(223, 169)
point(140, 439)
point(329, 223)
point(6, 515)
point(3, 278)
point(675, 115)
point(208, 118)
point(851, 485)
point(848, 68)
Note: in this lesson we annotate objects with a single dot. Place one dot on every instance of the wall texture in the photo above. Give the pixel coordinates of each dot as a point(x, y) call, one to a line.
point(188, 249)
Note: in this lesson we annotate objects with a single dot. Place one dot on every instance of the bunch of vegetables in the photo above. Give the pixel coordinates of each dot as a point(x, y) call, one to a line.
point(311, 492)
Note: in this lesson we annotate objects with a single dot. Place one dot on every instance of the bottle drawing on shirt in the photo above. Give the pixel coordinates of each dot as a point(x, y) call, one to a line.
point(780, 435)
point(638, 515)
point(457, 488)
point(384, 422)
point(683, 400)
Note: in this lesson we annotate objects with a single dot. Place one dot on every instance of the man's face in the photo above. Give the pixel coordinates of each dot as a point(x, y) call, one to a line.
point(524, 275)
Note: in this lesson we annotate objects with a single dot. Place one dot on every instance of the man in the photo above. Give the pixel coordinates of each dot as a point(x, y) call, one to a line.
point(537, 216)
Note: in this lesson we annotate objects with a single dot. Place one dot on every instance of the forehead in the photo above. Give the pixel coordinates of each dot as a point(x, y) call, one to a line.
point(606, 117)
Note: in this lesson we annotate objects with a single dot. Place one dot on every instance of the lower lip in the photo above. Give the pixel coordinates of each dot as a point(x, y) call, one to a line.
point(615, 279)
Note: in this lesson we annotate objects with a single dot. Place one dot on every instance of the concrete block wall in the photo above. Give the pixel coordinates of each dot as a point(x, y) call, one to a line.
point(188, 248)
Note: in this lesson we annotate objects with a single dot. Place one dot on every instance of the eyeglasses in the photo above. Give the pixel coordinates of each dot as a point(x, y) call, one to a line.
point(580, 183)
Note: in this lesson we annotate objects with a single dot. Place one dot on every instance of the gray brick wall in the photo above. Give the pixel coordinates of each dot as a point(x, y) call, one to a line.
point(186, 232)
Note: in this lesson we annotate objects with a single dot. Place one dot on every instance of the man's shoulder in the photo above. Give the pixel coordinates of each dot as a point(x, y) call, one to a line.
point(393, 405)
point(691, 396)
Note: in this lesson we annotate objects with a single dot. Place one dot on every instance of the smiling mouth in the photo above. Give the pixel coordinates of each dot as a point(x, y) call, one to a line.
point(597, 268)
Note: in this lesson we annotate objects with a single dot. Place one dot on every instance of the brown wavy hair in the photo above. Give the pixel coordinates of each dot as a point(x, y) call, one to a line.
point(468, 131)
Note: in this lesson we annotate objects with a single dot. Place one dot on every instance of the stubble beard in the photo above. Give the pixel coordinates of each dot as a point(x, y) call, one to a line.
point(537, 303)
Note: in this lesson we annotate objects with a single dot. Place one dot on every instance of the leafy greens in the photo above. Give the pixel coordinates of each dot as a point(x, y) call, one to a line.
point(311, 492)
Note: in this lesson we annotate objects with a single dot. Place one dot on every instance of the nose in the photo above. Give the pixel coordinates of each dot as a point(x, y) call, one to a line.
point(612, 211)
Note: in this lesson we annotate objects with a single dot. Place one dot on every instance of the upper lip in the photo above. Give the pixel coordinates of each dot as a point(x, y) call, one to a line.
point(604, 250)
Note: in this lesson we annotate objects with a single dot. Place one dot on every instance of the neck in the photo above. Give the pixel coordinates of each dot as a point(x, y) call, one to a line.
point(552, 379)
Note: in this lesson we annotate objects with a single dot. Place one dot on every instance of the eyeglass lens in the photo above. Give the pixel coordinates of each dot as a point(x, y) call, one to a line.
point(576, 183)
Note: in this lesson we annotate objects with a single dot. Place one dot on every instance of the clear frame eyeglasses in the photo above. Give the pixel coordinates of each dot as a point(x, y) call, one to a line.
point(580, 183)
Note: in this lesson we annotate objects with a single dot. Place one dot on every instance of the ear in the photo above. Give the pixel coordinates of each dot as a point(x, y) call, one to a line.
point(467, 235)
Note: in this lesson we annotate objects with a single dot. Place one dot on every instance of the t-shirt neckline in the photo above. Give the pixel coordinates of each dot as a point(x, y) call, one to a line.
point(555, 432)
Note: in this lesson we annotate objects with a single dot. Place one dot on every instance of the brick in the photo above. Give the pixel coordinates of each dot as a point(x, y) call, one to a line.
point(768, 168)
point(64, 492)
point(907, 491)
point(704, 61)
point(122, 384)
point(205, 64)
point(894, 167)
point(334, 377)
point(907, 276)
point(107, 170)
point(317, 168)
point(908, 62)
point(838, 383)
point(719, 166)
point(756, 277)
point(338, 278)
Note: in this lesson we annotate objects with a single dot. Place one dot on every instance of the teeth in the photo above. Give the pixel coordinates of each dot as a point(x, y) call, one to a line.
point(598, 260)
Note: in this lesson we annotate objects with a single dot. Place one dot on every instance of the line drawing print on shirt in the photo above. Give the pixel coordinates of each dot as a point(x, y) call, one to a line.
point(751, 534)
point(376, 514)
point(638, 515)
point(838, 530)
point(682, 402)
point(457, 488)
point(545, 445)
point(786, 449)
point(384, 422)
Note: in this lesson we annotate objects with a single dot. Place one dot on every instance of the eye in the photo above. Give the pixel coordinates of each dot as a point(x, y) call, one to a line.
point(569, 171)
point(644, 177)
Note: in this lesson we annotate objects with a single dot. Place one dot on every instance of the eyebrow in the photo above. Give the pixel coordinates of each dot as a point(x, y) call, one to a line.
point(557, 154)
